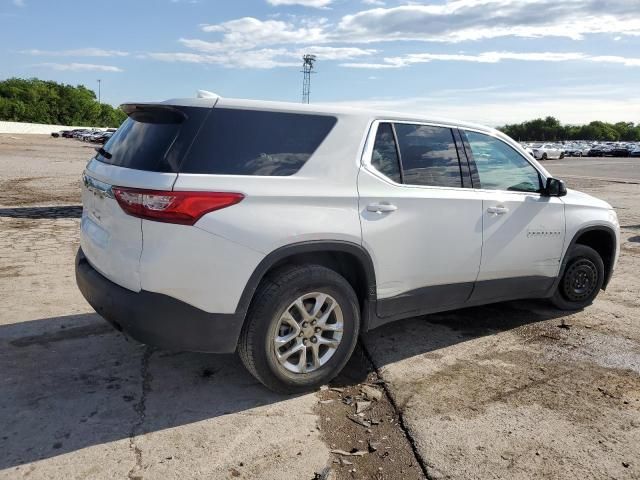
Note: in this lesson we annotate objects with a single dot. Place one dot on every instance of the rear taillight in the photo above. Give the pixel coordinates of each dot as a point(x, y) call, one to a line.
point(184, 208)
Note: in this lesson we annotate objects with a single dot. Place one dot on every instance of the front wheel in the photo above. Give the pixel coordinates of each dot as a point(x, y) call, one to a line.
point(544, 156)
point(301, 328)
point(581, 281)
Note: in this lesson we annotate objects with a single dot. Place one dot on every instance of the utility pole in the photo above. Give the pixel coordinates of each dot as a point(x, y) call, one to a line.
point(99, 82)
point(307, 67)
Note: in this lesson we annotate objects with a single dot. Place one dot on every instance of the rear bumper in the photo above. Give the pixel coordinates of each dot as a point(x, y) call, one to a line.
point(157, 319)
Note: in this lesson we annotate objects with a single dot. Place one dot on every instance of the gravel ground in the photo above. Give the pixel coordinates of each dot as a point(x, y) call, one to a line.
point(512, 390)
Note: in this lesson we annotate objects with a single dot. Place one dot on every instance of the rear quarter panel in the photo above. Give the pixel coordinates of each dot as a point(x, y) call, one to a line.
point(319, 202)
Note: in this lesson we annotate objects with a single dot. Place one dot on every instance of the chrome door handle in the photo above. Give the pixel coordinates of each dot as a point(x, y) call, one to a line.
point(497, 210)
point(381, 207)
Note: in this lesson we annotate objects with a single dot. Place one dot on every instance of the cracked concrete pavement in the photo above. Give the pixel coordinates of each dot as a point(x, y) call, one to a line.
point(513, 390)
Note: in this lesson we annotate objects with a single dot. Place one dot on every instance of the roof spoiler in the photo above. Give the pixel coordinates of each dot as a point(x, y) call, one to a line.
point(153, 113)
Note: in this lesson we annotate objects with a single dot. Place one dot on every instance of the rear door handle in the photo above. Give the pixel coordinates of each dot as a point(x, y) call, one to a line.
point(381, 207)
point(497, 210)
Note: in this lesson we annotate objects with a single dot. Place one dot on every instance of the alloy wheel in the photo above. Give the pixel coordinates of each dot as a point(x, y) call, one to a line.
point(308, 333)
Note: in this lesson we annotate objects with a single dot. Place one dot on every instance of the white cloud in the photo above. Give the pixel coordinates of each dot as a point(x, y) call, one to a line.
point(261, 58)
point(627, 62)
point(377, 3)
point(251, 43)
point(79, 52)
point(19, 3)
point(80, 67)
point(334, 53)
point(491, 57)
point(249, 32)
point(304, 3)
point(463, 20)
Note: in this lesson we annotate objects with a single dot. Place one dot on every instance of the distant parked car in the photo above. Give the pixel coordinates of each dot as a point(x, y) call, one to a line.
point(103, 138)
point(599, 150)
point(577, 150)
point(55, 134)
point(86, 136)
point(67, 133)
point(547, 150)
point(635, 151)
point(619, 151)
point(78, 131)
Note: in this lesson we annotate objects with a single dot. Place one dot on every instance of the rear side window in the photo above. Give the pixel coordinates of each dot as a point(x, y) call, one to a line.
point(429, 155)
point(250, 142)
point(143, 140)
point(385, 155)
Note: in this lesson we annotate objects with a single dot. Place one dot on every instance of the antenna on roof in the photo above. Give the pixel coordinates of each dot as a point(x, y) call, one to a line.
point(207, 94)
point(307, 66)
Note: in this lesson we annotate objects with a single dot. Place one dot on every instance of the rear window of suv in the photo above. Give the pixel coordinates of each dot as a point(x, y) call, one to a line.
point(143, 140)
point(252, 142)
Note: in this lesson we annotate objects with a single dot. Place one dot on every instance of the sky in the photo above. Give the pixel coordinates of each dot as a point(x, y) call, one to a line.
point(488, 61)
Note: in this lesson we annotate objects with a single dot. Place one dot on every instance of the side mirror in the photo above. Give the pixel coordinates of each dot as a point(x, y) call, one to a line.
point(555, 188)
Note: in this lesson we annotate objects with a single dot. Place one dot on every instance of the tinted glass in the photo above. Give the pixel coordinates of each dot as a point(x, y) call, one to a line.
point(142, 141)
point(248, 142)
point(385, 155)
point(429, 155)
point(500, 167)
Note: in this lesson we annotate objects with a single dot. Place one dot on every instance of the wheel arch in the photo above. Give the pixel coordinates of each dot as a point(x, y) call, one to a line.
point(348, 259)
point(602, 239)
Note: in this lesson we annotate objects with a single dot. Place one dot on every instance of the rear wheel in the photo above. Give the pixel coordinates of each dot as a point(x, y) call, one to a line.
point(301, 328)
point(581, 281)
point(544, 156)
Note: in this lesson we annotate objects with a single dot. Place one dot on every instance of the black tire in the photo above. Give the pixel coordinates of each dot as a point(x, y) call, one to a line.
point(581, 281)
point(544, 156)
point(273, 296)
point(561, 156)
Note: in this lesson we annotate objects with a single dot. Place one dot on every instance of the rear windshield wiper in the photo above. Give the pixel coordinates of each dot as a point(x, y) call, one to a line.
point(103, 152)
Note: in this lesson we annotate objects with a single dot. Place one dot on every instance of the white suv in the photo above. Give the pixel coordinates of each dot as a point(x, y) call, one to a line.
point(285, 230)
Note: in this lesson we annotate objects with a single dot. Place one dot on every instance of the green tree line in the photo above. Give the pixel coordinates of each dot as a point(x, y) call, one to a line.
point(39, 101)
point(550, 129)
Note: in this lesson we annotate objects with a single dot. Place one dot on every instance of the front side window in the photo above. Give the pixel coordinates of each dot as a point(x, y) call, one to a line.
point(500, 167)
point(429, 156)
point(385, 155)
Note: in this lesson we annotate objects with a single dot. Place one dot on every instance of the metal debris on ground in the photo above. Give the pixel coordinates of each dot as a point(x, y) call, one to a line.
point(362, 406)
point(359, 421)
point(352, 453)
point(371, 393)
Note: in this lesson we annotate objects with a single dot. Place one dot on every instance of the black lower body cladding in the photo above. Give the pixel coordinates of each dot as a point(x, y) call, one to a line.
point(157, 319)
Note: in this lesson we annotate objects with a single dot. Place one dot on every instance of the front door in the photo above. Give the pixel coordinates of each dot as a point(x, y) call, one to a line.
point(522, 230)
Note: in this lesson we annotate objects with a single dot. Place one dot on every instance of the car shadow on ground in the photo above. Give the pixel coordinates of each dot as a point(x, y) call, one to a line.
point(72, 382)
point(37, 213)
point(416, 336)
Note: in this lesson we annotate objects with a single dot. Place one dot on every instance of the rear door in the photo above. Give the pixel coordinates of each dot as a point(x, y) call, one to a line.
point(143, 153)
point(420, 222)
